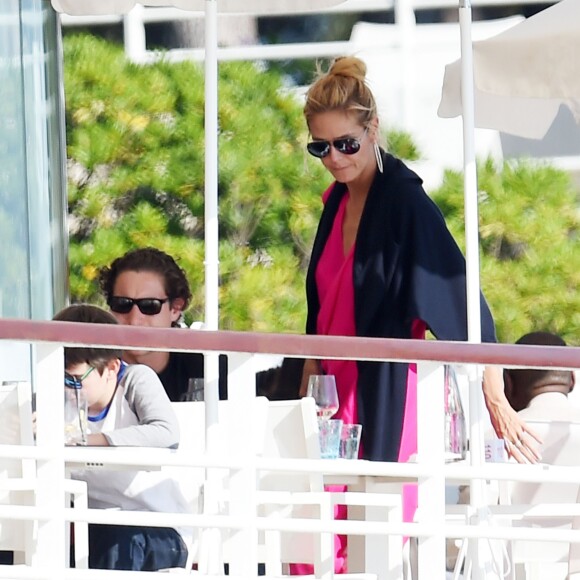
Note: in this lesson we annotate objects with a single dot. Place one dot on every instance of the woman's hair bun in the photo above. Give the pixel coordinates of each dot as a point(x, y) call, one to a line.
point(349, 66)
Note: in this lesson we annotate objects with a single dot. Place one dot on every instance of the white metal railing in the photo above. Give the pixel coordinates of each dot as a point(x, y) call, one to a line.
point(430, 472)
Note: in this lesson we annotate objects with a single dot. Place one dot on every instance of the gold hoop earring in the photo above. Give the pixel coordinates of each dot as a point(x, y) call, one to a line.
point(378, 156)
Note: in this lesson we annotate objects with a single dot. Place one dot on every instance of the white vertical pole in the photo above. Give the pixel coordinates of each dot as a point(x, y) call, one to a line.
point(470, 175)
point(431, 452)
point(480, 563)
point(134, 34)
point(405, 21)
point(242, 398)
point(211, 217)
point(48, 375)
point(211, 538)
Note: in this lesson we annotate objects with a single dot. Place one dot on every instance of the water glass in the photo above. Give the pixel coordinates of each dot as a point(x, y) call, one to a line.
point(75, 417)
point(329, 431)
point(350, 440)
point(455, 426)
point(195, 390)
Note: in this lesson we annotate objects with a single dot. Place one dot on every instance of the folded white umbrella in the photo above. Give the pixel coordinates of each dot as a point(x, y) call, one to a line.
point(523, 75)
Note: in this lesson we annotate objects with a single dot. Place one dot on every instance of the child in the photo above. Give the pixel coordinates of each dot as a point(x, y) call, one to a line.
point(127, 406)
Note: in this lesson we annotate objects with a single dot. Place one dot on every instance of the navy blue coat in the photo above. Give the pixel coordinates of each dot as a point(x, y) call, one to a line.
point(406, 266)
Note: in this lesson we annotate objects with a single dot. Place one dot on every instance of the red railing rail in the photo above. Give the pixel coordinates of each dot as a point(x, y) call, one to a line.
point(72, 333)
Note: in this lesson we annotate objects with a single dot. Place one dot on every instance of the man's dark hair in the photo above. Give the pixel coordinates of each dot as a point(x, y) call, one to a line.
point(543, 376)
point(526, 383)
point(95, 357)
point(148, 260)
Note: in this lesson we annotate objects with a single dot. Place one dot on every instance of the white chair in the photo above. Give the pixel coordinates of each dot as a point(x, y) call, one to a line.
point(529, 505)
point(281, 429)
point(191, 418)
point(292, 433)
point(17, 476)
point(18, 481)
point(574, 555)
point(534, 560)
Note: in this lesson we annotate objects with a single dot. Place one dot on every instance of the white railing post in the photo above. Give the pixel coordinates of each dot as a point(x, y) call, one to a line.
point(48, 380)
point(134, 34)
point(210, 560)
point(431, 452)
point(241, 395)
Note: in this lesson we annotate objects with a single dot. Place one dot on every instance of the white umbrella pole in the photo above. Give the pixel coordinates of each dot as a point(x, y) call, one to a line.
point(470, 175)
point(211, 216)
point(481, 564)
point(471, 231)
point(211, 166)
point(210, 561)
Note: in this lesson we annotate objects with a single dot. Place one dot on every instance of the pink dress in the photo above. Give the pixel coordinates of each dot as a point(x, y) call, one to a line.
point(334, 280)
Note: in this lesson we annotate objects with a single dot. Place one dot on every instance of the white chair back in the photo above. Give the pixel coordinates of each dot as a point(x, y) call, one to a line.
point(191, 419)
point(561, 446)
point(292, 433)
point(16, 429)
point(574, 556)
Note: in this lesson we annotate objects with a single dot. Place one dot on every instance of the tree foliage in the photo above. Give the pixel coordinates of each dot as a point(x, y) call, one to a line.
point(136, 177)
point(529, 229)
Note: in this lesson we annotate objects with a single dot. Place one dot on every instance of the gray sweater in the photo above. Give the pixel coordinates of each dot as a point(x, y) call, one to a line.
point(154, 423)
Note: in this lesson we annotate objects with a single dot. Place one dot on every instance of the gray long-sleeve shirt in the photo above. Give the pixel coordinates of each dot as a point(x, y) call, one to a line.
point(151, 421)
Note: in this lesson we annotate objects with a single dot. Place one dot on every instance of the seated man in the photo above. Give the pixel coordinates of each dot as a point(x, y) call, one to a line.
point(127, 406)
point(541, 394)
point(537, 395)
point(146, 287)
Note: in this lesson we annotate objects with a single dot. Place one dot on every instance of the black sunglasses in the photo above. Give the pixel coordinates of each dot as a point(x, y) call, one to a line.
point(345, 145)
point(148, 306)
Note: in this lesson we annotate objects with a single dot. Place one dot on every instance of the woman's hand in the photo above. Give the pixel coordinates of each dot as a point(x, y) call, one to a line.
point(520, 441)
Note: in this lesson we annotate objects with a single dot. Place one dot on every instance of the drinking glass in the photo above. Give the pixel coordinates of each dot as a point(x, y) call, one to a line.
point(350, 440)
point(329, 431)
point(455, 426)
point(195, 390)
point(75, 417)
point(322, 388)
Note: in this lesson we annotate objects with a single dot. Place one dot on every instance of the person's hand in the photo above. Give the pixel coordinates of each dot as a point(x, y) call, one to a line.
point(520, 441)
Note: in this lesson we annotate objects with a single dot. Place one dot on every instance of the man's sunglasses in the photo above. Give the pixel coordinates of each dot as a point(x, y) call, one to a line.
point(148, 306)
point(345, 145)
point(76, 381)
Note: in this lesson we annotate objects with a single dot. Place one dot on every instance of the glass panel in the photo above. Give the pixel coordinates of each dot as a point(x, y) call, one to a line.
point(32, 174)
point(33, 238)
point(14, 282)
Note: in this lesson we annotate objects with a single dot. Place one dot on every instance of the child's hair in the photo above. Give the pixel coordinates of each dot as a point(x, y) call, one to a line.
point(95, 357)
